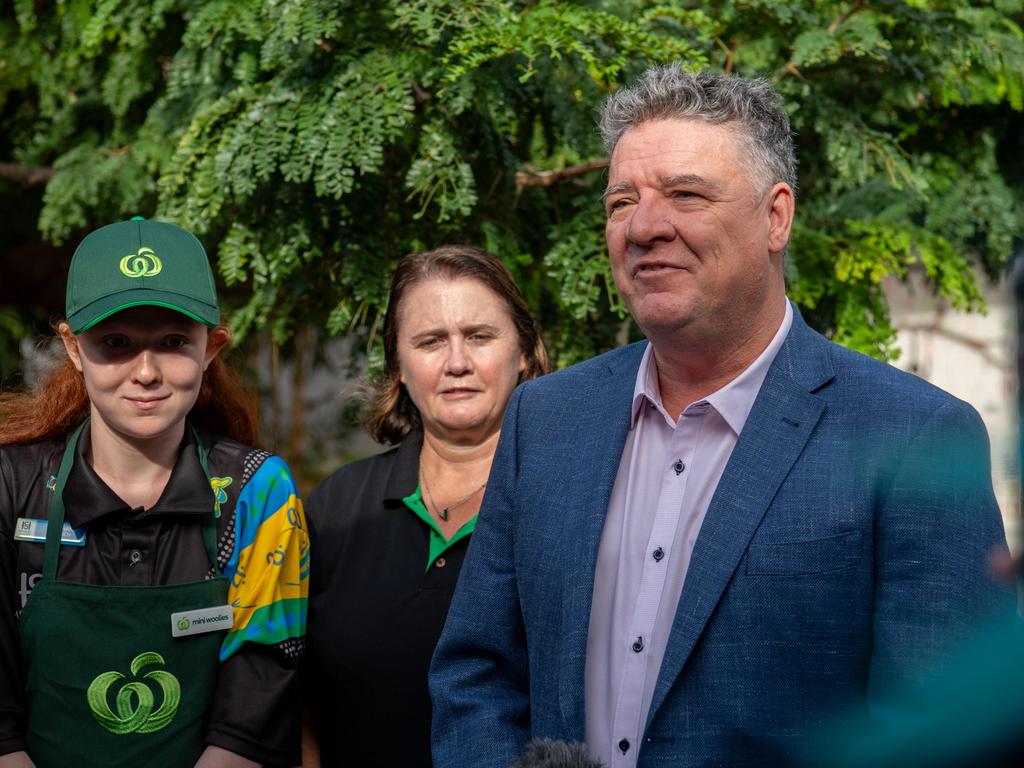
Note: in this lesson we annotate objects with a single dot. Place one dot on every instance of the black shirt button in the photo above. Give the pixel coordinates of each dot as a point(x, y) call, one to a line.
point(638, 645)
point(135, 556)
point(658, 554)
point(679, 467)
point(624, 746)
point(440, 562)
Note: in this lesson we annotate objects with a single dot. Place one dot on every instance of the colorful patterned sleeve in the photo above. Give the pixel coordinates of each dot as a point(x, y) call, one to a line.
point(269, 569)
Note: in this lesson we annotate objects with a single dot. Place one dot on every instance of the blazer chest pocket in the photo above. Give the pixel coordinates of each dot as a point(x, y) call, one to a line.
point(798, 558)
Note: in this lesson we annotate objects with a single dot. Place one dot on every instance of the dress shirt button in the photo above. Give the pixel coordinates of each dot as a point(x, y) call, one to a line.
point(679, 467)
point(624, 746)
point(440, 562)
point(135, 556)
point(638, 645)
point(658, 554)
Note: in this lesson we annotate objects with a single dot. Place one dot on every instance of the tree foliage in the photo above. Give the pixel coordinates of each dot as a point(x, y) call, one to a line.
point(312, 143)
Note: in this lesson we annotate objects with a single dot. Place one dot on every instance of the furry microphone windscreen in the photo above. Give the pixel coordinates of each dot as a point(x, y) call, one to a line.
point(548, 753)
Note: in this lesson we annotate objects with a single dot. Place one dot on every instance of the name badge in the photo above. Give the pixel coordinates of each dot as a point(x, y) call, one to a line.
point(31, 529)
point(202, 620)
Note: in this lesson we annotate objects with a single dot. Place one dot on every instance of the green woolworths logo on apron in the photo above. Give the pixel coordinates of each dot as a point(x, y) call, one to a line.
point(135, 716)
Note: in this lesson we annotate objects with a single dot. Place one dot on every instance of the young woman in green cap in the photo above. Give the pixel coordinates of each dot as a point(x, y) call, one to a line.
point(153, 567)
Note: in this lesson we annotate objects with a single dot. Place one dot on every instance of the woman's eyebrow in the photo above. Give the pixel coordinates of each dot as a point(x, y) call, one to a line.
point(472, 328)
point(428, 333)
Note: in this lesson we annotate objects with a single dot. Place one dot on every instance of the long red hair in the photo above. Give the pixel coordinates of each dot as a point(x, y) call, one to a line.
point(61, 403)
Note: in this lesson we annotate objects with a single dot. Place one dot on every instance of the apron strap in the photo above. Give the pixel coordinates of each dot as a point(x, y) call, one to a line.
point(55, 517)
point(210, 521)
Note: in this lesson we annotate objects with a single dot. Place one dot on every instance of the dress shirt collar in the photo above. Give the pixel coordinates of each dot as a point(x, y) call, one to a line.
point(733, 401)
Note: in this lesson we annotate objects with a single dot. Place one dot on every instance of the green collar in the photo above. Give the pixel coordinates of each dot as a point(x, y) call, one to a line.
point(438, 543)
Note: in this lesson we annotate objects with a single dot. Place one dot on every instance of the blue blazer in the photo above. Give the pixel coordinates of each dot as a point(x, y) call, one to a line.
point(844, 550)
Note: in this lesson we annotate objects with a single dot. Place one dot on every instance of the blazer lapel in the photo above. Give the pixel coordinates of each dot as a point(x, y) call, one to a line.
point(783, 417)
point(603, 423)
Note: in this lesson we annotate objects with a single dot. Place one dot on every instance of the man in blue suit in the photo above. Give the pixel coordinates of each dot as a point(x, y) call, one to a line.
point(694, 549)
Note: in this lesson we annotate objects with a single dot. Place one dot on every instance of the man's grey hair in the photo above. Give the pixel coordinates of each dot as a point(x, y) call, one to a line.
point(751, 106)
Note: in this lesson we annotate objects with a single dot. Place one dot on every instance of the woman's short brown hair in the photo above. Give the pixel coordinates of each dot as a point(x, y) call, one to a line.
point(392, 414)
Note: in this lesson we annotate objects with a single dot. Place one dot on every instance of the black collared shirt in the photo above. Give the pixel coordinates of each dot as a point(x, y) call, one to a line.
point(254, 712)
point(374, 614)
point(131, 547)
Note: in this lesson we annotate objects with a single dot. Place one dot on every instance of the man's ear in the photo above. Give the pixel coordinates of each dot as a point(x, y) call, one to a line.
point(780, 216)
point(216, 340)
point(70, 345)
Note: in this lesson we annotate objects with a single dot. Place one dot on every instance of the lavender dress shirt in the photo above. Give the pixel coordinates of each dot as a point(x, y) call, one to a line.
point(667, 475)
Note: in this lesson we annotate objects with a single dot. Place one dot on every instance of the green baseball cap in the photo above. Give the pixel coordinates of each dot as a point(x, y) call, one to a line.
point(139, 263)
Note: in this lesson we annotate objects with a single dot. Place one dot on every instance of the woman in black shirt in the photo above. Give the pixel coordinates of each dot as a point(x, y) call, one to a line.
point(390, 532)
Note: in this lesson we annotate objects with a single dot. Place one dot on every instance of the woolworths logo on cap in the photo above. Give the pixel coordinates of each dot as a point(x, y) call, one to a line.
point(135, 700)
point(143, 263)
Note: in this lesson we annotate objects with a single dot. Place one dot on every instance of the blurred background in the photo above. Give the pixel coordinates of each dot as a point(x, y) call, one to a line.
point(312, 143)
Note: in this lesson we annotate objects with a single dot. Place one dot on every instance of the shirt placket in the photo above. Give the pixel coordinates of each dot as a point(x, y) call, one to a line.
point(137, 548)
point(639, 663)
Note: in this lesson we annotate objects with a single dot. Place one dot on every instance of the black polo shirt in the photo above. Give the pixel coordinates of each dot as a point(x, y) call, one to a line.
point(254, 711)
point(375, 612)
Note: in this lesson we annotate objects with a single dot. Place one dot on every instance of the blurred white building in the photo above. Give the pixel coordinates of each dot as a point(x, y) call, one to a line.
point(973, 357)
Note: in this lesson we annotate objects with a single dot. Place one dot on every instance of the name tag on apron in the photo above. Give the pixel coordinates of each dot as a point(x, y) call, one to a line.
point(30, 529)
point(202, 620)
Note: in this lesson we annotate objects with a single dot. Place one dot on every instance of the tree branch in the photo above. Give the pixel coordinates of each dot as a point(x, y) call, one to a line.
point(843, 17)
point(530, 178)
point(730, 53)
point(26, 175)
point(420, 95)
point(790, 67)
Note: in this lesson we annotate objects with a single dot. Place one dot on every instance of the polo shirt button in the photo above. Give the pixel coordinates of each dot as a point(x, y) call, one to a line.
point(658, 554)
point(679, 467)
point(440, 562)
point(638, 645)
point(624, 746)
point(135, 556)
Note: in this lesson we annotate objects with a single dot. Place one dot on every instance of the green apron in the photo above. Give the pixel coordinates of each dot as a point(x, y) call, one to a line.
point(106, 683)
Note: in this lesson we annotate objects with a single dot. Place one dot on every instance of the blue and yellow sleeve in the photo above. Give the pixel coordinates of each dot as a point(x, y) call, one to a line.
point(269, 568)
